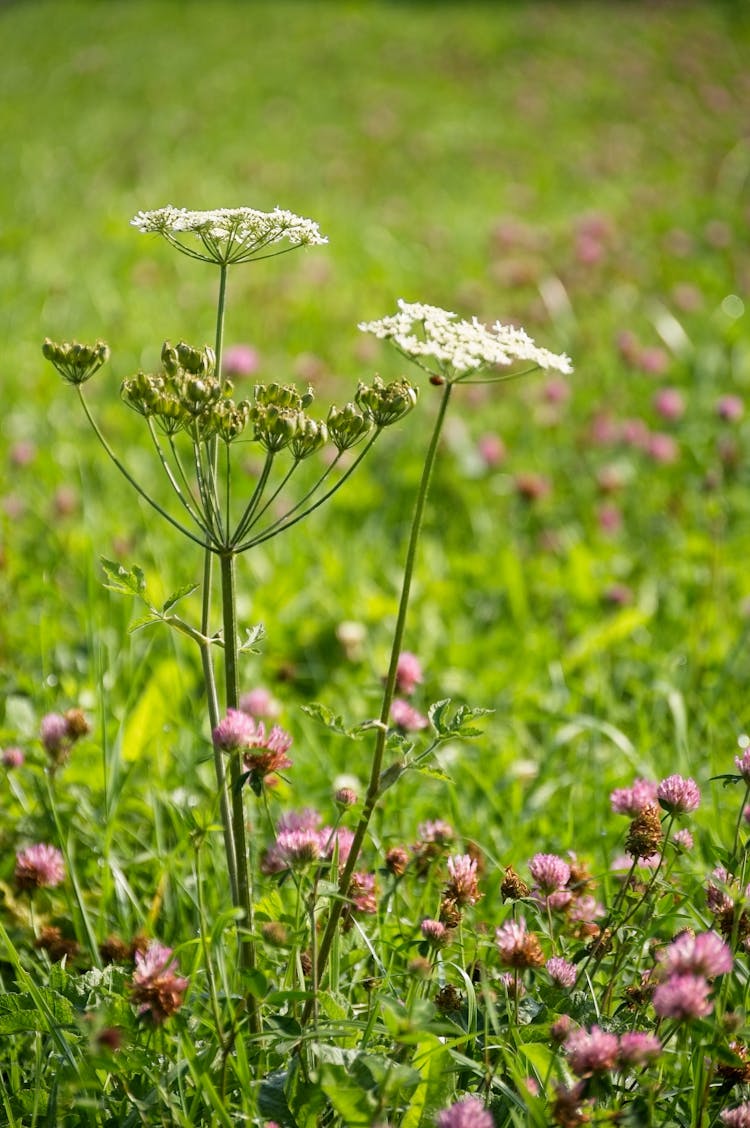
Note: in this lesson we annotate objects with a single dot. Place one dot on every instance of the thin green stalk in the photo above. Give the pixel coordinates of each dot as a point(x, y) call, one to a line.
point(244, 885)
point(209, 678)
point(242, 525)
point(373, 789)
point(196, 516)
point(279, 526)
point(129, 477)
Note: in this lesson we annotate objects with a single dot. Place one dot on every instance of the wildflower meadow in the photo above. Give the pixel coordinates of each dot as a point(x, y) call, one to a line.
point(374, 739)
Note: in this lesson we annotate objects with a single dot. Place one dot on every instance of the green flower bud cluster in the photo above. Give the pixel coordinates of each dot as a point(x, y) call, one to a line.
point(187, 395)
point(76, 363)
point(386, 403)
point(347, 425)
point(279, 418)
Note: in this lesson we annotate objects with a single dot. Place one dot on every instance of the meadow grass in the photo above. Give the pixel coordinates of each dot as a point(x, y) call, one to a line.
point(581, 169)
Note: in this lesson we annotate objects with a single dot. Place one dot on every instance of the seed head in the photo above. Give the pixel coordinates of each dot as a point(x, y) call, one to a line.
point(76, 363)
point(645, 833)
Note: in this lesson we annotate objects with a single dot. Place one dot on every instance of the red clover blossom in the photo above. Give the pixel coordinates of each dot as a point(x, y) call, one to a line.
point(467, 1113)
point(677, 795)
point(39, 867)
point(155, 987)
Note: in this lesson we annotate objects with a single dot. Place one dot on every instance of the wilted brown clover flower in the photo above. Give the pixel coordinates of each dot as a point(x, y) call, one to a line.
point(156, 989)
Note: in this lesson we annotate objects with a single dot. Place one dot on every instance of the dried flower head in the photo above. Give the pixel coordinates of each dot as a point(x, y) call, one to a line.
point(39, 867)
point(456, 349)
point(461, 887)
point(517, 946)
point(512, 888)
point(156, 989)
point(57, 946)
point(229, 235)
point(645, 833)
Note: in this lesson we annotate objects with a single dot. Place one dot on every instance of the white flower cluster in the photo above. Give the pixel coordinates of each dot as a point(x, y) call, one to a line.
point(229, 235)
point(424, 332)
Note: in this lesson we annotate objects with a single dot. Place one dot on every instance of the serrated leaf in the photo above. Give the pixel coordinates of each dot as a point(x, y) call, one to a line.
point(126, 581)
point(330, 720)
point(436, 713)
point(176, 596)
point(432, 772)
point(252, 635)
point(147, 620)
point(19, 1012)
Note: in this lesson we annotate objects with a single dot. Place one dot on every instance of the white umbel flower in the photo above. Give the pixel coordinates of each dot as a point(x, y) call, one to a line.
point(457, 348)
point(229, 235)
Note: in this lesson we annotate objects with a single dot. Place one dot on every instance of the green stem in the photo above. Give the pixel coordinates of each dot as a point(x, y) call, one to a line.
point(127, 475)
point(209, 678)
point(373, 789)
point(244, 886)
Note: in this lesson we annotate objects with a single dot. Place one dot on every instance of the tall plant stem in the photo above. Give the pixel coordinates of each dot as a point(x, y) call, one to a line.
point(206, 657)
point(373, 789)
point(244, 886)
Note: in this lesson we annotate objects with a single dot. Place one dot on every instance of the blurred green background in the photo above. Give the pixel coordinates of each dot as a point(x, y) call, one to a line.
point(581, 168)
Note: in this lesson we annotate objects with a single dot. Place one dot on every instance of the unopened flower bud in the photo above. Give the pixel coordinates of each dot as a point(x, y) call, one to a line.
point(198, 362)
point(231, 419)
point(346, 426)
point(76, 363)
point(169, 359)
point(311, 435)
point(385, 404)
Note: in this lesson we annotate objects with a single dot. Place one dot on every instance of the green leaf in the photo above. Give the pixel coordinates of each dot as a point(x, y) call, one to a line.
point(252, 635)
point(354, 1104)
point(176, 596)
point(19, 1012)
point(147, 620)
point(126, 581)
point(432, 772)
point(460, 724)
point(330, 720)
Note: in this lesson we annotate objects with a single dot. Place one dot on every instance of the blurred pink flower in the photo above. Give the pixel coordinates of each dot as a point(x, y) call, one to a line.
point(406, 717)
point(12, 758)
point(682, 997)
point(561, 971)
point(491, 450)
point(638, 1048)
point(39, 867)
point(408, 672)
point(156, 989)
point(632, 800)
point(704, 954)
point(662, 448)
point(737, 1117)
point(259, 702)
point(240, 360)
point(730, 408)
point(467, 1113)
point(591, 1051)
point(669, 404)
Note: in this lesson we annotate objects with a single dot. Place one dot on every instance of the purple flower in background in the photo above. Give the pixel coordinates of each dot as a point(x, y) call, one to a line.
point(561, 971)
point(408, 672)
point(632, 800)
point(591, 1051)
point(705, 954)
point(156, 989)
point(38, 867)
point(240, 360)
point(467, 1113)
point(683, 997)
